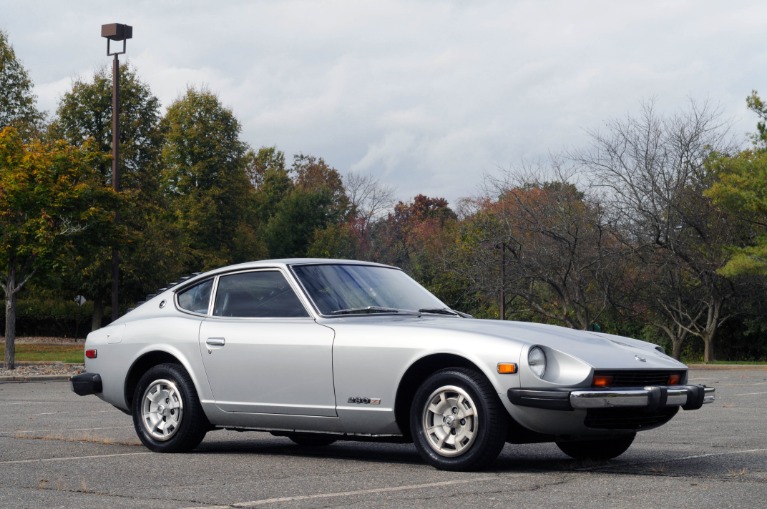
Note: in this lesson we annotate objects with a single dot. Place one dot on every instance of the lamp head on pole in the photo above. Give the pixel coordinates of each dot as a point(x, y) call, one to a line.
point(116, 32)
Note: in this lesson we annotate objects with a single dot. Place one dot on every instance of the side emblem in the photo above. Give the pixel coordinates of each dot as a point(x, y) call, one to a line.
point(356, 400)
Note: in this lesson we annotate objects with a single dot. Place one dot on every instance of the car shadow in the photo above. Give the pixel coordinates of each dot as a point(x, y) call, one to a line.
point(531, 458)
point(375, 452)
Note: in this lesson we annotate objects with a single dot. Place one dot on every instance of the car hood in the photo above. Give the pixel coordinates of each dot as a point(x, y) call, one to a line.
point(594, 348)
point(599, 350)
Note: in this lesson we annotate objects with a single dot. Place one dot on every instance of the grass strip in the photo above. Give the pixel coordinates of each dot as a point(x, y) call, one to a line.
point(48, 353)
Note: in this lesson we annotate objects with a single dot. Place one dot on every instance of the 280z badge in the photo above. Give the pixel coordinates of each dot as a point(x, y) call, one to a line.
point(356, 400)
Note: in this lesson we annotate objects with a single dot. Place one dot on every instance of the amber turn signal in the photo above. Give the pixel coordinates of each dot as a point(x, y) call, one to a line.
point(674, 379)
point(507, 368)
point(602, 381)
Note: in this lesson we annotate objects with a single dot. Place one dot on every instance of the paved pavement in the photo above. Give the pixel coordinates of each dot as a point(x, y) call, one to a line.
point(61, 450)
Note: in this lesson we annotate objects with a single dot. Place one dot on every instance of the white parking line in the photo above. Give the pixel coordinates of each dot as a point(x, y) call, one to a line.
point(674, 460)
point(73, 458)
point(751, 393)
point(58, 430)
point(298, 498)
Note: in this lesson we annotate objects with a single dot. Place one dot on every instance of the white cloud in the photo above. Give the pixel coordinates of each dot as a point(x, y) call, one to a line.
point(426, 94)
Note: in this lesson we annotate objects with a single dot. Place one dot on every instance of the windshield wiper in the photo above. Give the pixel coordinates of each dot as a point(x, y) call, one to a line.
point(438, 311)
point(443, 311)
point(370, 310)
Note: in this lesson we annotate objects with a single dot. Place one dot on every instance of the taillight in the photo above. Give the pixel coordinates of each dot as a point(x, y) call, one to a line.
point(91, 353)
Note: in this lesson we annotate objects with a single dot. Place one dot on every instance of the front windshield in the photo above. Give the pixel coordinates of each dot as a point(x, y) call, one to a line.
point(346, 289)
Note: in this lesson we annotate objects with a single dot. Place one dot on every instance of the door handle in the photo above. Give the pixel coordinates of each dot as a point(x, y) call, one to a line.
point(215, 341)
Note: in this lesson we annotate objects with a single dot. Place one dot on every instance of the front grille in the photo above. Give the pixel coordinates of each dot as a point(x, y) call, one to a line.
point(611, 418)
point(640, 378)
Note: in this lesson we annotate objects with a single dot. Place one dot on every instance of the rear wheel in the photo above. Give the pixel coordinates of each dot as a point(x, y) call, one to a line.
point(166, 410)
point(457, 421)
point(603, 449)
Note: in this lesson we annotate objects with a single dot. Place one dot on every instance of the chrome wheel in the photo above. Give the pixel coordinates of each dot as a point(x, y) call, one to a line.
point(457, 420)
point(166, 411)
point(162, 410)
point(450, 421)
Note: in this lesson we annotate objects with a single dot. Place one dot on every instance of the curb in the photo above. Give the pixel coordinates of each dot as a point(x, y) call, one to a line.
point(35, 378)
point(63, 372)
point(724, 367)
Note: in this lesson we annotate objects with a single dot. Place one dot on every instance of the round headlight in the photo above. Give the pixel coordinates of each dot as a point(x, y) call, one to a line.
point(536, 359)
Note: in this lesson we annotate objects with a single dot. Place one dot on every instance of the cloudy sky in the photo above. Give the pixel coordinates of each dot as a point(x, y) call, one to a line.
point(427, 95)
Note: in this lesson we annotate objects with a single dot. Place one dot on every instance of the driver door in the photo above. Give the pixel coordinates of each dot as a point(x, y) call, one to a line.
point(262, 351)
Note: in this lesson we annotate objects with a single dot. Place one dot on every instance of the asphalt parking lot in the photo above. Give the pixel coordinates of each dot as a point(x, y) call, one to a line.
point(60, 450)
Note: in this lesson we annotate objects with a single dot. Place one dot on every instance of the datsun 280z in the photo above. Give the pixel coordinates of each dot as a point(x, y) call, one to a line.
point(322, 350)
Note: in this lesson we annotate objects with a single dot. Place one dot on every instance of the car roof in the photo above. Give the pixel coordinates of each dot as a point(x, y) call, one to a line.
point(284, 262)
point(281, 262)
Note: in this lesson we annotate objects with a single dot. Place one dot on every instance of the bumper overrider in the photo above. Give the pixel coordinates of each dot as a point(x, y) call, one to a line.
point(85, 384)
point(688, 397)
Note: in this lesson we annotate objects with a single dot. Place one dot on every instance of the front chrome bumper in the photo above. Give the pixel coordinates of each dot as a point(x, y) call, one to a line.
point(689, 397)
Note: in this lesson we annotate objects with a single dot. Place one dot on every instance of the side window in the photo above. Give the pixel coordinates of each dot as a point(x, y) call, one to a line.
point(196, 298)
point(261, 294)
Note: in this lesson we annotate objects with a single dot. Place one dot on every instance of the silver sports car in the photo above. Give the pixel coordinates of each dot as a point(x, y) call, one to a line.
point(324, 350)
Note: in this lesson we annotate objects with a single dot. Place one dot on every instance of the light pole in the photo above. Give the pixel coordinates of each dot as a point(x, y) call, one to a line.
point(116, 32)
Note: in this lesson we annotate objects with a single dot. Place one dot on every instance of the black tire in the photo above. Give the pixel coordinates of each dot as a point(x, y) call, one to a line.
point(310, 440)
point(457, 421)
point(603, 449)
point(166, 410)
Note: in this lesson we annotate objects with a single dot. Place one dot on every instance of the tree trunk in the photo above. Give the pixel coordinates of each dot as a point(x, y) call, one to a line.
point(677, 335)
point(709, 334)
point(98, 314)
point(676, 348)
point(708, 346)
point(10, 320)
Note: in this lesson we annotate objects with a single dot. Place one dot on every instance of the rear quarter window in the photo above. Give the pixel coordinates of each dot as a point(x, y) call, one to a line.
point(197, 298)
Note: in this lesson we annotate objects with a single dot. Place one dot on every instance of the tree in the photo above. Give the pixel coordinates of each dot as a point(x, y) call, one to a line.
point(415, 236)
point(270, 179)
point(205, 171)
point(144, 231)
point(547, 246)
point(314, 174)
point(653, 171)
point(316, 201)
point(49, 193)
point(85, 113)
point(17, 102)
point(369, 200)
point(292, 228)
point(741, 189)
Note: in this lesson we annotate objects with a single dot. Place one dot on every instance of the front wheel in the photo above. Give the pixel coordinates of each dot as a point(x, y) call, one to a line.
point(166, 410)
point(457, 421)
point(603, 449)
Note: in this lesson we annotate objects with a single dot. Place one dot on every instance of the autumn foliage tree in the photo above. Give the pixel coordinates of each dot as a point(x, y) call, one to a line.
point(546, 246)
point(655, 228)
point(49, 195)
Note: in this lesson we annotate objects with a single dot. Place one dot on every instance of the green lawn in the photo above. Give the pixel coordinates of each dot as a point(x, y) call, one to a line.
point(48, 353)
